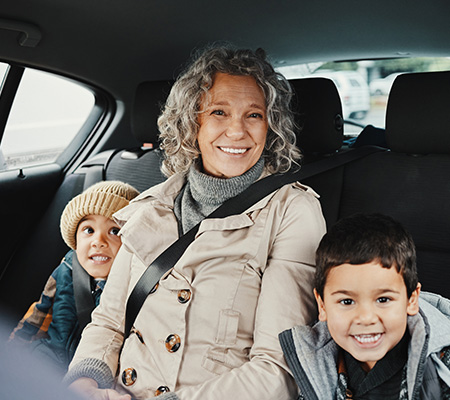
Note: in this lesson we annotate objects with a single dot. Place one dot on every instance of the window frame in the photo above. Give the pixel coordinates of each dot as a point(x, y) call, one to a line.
point(85, 139)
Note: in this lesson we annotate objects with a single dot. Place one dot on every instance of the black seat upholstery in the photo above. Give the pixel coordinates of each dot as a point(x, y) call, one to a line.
point(418, 117)
point(140, 166)
point(318, 115)
point(409, 182)
point(318, 110)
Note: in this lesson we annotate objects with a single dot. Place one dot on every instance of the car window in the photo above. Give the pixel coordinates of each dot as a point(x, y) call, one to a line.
point(3, 69)
point(354, 82)
point(364, 85)
point(47, 112)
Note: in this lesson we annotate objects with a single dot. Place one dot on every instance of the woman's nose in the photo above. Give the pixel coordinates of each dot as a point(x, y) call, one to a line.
point(236, 128)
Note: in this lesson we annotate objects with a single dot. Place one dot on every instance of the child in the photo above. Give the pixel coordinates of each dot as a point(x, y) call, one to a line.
point(52, 326)
point(375, 339)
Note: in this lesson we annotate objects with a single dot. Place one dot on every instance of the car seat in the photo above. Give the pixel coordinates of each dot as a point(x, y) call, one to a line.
point(140, 167)
point(410, 182)
point(318, 116)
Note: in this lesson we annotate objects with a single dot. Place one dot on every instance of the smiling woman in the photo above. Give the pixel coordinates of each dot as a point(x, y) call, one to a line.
point(218, 312)
point(233, 126)
point(193, 91)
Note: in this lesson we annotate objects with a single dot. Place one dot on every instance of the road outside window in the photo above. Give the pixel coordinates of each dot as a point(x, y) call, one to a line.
point(48, 111)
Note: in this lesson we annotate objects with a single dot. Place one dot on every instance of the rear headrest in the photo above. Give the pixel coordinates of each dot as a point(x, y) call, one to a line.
point(318, 111)
point(418, 113)
point(148, 103)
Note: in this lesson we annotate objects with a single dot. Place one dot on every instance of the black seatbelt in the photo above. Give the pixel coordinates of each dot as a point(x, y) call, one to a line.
point(84, 301)
point(236, 205)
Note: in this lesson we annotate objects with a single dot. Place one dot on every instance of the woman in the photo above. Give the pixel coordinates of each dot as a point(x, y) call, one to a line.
point(210, 330)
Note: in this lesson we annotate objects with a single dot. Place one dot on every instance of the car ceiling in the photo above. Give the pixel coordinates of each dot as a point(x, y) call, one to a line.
point(116, 44)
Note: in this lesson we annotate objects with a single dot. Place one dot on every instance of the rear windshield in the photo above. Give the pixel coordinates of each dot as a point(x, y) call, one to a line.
point(364, 85)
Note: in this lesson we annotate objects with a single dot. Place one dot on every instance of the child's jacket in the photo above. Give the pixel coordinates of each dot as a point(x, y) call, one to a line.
point(311, 354)
point(51, 326)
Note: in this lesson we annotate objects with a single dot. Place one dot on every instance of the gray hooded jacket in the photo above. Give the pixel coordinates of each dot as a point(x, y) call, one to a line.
point(312, 355)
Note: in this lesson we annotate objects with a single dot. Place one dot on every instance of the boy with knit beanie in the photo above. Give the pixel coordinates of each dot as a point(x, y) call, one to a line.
point(52, 326)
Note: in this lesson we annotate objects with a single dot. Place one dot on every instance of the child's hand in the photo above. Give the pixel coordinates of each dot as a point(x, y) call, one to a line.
point(88, 388)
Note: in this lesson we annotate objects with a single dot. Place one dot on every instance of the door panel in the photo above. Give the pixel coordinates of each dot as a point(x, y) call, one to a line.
point(31, 202)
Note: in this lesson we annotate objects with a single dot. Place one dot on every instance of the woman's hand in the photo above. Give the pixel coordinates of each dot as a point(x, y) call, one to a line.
point(88, 388)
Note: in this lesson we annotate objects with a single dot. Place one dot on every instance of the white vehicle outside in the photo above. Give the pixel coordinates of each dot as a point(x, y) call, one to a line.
point(353, 89)
point(382, 86)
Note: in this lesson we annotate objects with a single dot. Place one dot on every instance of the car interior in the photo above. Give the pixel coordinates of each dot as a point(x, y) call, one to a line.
point(127, 55)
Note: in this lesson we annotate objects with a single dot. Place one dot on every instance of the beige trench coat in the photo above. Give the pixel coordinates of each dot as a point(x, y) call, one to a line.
point(244, 279)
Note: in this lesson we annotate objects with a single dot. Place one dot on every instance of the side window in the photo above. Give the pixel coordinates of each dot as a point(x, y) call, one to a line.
point(354, 82)
point(47, 113)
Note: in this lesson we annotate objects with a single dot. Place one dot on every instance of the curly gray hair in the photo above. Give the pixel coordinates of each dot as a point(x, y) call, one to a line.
point(179, 125)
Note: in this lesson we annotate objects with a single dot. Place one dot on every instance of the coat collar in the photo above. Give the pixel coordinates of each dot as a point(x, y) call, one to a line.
point(150, 217)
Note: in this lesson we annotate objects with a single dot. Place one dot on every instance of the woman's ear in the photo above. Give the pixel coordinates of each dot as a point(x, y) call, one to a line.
point(320, 306)
point(413, 301)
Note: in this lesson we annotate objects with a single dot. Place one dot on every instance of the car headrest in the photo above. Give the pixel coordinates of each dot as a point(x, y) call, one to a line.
point(149, 100)
point(418, 113)
point(318, 112)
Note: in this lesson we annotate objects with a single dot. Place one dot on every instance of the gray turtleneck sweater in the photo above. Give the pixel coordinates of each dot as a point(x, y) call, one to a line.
point(203, 193)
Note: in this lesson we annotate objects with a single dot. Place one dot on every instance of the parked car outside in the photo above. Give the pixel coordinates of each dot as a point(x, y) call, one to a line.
point(382, 86)
point(353, 89)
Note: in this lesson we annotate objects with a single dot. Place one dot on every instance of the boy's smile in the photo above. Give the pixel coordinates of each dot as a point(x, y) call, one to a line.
point(366, 308)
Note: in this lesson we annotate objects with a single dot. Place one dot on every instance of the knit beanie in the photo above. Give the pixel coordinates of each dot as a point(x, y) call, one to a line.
point(103, 198)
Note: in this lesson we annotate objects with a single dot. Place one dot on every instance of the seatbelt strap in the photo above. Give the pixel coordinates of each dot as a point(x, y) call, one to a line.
point(84, 301)
point(236, 205)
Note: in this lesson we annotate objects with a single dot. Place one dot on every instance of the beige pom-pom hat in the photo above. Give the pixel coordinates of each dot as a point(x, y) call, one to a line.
point(103, 198)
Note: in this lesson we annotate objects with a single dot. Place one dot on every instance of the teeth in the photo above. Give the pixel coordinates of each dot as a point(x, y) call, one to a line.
point(99, 258)
point(233, 151)
point(367, 338)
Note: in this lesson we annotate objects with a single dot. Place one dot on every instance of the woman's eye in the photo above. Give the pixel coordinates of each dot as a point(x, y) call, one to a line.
point(115, 231)
point(256, 115)
point(88, 230)
point(217, 112)
point(383, 299)
point(347, 302)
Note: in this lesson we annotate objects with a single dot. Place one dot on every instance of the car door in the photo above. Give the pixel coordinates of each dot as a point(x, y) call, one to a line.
point(38, 150)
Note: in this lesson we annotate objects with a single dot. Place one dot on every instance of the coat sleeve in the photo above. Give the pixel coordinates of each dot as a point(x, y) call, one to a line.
point(34, 324)
point(286, 299)
point(98, 351)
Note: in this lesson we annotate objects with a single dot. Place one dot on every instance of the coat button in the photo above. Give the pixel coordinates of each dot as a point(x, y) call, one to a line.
point(139, 336)
point(173, 343)
point(184, 296)
point(129, 376)
point(161, 390)
point(154, 288)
